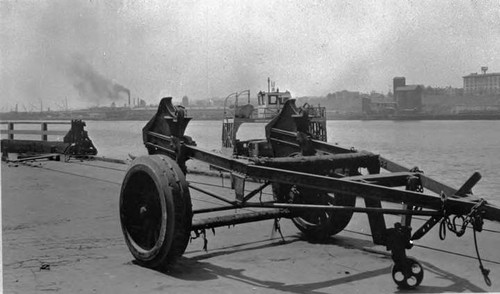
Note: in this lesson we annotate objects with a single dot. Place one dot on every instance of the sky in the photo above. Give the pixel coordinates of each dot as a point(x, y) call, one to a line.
point(96, 52)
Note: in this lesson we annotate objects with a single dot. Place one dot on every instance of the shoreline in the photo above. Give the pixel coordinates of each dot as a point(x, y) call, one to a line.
point(354, 117)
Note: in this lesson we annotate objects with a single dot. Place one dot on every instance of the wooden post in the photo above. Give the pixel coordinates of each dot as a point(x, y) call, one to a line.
point(11, 128)
point(44, 128)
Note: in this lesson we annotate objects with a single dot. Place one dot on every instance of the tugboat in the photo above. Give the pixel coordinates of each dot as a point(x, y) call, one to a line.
point(269, 105)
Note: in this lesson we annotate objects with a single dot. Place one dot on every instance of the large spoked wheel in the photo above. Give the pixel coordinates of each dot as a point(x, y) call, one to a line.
point(155, 211)
point(316, 225)
point(409, 274)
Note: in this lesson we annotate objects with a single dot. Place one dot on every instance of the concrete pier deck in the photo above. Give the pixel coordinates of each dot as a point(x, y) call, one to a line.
point(61, 233)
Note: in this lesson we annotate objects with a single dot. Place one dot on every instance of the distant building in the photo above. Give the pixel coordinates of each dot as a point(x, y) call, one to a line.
point(397, 82)
point(407, 97)
point(344, 102)
point(485, 83)
point(381, 108)
point(346, 95)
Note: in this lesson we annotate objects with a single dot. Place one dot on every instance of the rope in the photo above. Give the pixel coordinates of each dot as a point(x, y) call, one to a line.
point(484, 270)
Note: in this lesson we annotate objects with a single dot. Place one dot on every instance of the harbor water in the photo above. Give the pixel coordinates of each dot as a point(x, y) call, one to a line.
point(449, 151)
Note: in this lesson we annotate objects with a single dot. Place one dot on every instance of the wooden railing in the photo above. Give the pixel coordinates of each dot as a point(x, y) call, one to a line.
point(44, 132)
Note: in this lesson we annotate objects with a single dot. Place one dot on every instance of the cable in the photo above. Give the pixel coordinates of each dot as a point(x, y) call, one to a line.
point(431, 248)
point(78, 175)
point(484, 271)
point(99, 166)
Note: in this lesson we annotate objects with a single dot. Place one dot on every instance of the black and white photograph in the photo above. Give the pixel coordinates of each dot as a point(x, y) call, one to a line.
point(223, 146)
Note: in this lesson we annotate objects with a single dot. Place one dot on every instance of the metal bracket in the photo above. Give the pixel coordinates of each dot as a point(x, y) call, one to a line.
point(413, 184)
point(426, 227)
point(407, 273)
point(397, 241)
point(238, 184)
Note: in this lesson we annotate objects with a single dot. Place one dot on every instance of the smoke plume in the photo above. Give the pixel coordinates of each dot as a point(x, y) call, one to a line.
point(93, 86)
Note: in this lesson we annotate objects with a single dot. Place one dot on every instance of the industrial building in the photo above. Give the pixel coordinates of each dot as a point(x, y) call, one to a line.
point(408, 98)
point(407, 101)
point(479, 84)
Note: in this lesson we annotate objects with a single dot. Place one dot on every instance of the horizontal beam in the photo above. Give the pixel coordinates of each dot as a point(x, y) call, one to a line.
point(220, 161)
point(290, 138)
point(158, 147)
point(431, 184)
point(397, 179)
point(159, 136)
point(34, 132)
point(315, 162)
point(109, 159)
point(35, 122)
point(343, 186)
point(297, 207)
point(239, 218)
point(215, 209)
point(51, 156)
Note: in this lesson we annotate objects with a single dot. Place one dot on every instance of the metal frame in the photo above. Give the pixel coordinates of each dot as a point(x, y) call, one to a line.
point(288, 132)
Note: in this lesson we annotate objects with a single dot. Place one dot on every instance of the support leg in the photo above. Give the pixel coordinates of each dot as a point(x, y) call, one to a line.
point(377, 221)
point(407, 273)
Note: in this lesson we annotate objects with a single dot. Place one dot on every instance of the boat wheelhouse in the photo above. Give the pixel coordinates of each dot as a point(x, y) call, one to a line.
point(238, 109)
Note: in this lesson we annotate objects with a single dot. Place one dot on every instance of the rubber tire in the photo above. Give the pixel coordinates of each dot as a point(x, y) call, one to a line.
point(335, 221)
point(156, 187)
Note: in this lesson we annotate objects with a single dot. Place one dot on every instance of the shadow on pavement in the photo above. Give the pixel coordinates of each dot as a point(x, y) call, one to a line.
point(195, 269)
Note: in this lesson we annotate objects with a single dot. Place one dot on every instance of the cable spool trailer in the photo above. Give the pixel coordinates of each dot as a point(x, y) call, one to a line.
point(314, 183)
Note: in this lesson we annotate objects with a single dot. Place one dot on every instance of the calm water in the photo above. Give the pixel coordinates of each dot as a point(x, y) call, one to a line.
point(447, 150)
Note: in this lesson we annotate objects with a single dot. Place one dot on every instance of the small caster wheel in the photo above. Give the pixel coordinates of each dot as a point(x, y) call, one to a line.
point(408, 274)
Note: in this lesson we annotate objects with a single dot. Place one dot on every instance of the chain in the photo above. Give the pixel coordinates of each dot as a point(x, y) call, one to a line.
point(277, 228)
point(202, 233)
point(475, 218)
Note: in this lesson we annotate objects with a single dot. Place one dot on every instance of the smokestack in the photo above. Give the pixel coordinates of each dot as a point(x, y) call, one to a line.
point(119, 88)
point(128, 93)
point(268, 85)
